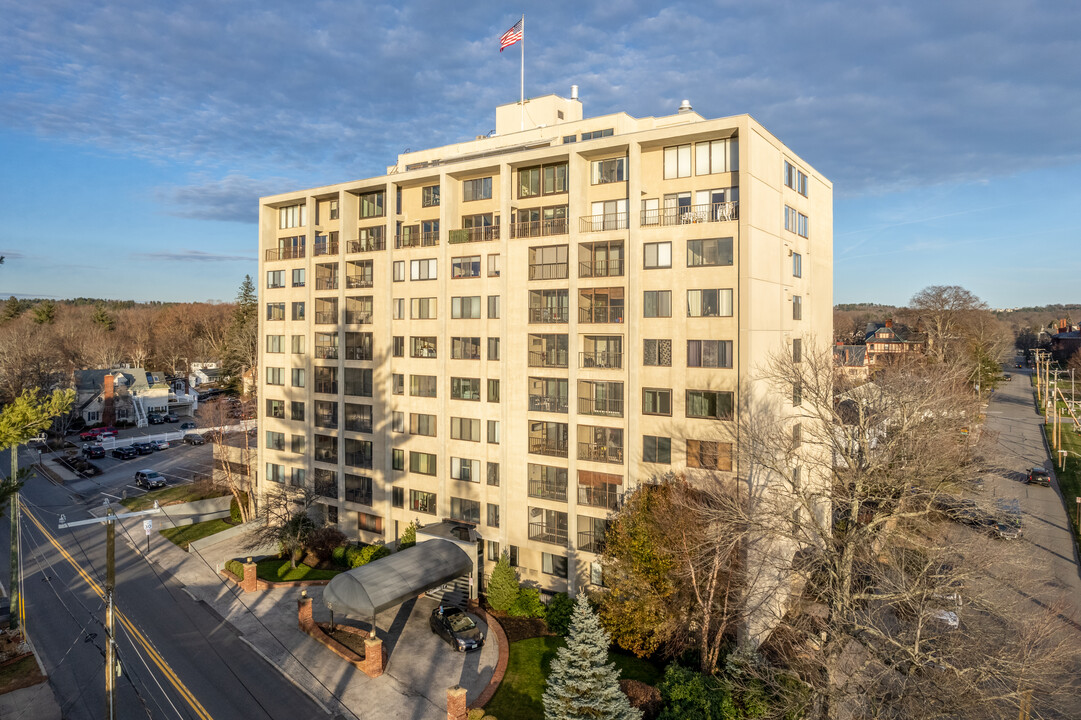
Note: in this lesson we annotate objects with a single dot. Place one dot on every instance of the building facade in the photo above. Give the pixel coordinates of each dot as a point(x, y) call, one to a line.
point(513, 332)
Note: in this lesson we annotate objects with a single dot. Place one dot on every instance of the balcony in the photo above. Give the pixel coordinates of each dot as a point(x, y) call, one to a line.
point(691, 214)
point(468, 235)
point(358, 352)
point(326, 283)
point(539, 228)
point(359, 496)
point(549, 315)
point(603, 360)
point(600, 268)
point(603, 314)
point(330, 387)
point(606, 407)
point(358, 317)
point(327, 489)
point(548, 490)
point(599, 497)
point(326, 318)
point(325, 247)
point(326, 352)
point(548, 358)
point(548, 271)
point(285, 253)
point(600, 452)
point(606, 221)
point(353, 282)
point(326, 455)
point(358, 459)
point(591, 542)
point(548, 403)
point(545, 446)
point(548, 534)
point(368, 244)
point(417, 239)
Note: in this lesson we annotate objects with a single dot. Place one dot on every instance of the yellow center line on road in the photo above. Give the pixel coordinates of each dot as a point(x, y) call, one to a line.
point(158, 660)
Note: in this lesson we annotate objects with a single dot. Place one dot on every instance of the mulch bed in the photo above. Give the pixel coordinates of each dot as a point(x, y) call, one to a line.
point(520, 628)
point(351, 640)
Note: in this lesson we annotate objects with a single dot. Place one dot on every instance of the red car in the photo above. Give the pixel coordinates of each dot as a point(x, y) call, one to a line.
point(94, 433)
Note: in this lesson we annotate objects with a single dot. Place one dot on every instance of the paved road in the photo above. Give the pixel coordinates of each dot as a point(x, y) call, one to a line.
point(216, 675)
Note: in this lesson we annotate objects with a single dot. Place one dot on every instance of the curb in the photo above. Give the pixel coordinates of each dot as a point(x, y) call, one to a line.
point(1061, 497)
point(287, 676)
point(501, 663)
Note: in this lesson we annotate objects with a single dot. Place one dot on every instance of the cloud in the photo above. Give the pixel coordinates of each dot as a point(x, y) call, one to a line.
point(11, 255)
point(192, 256)
point(234, 198)
point(878, 96)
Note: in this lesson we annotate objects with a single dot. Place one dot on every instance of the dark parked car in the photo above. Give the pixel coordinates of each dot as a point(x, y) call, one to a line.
point(457, 628)
point(149, 479)
point(94, 451)
point(125, 453)
point(143, 448)
point(1038, 476)
point(194, 439)
point(1008, 524)
point(171, 418)
point(94, 433)
point(189, 425)
point(155, 419)
point(1007, 377)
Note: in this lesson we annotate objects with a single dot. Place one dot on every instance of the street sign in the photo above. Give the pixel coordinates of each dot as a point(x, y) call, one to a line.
point(148, 525)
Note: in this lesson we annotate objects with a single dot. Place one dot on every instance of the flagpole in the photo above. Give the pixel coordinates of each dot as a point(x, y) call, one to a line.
point(522, 97)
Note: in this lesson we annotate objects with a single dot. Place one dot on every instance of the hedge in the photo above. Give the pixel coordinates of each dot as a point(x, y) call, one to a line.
point(236, 567)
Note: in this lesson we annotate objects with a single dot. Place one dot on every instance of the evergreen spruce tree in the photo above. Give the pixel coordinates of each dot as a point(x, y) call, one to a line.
point(242, 342)
point(45, 312)
point(582, 684)
point(502, 585)
point(11, 310)
point(103, 318)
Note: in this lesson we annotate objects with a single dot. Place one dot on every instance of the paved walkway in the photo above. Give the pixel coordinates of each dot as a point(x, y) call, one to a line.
point(420, 666)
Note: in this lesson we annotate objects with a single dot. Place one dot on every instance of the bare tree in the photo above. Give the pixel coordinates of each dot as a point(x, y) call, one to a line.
point(286, 519)
point(944, 311)
point(234, 455)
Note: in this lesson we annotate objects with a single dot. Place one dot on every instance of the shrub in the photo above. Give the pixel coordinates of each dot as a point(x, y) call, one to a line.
point(409, 536)
point(475, 714)
point(322, 542)
point(236, 567)
point(642, 696)
point(527, 604)
point(357, 556)
point(502, 585)
point(558, 613)
point(338, 555)
point(234, 507)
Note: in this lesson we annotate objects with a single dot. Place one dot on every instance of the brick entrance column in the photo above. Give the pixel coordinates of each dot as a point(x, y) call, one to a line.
point(456, 707)
point(373, 657)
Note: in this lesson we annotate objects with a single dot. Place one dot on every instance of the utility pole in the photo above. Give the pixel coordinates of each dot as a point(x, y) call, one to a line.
point(15, 610)
point(112, 665)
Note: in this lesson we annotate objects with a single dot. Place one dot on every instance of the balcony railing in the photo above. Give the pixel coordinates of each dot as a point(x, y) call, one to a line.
point(548, 403)
point(326, 283)
point(600, 452)
point(327, 489)
point(328, 387)
point(327, 455)
point(604, 360)
point(548, 315)
point(368, 244)
point(601, 268)
point(285, 253)
point(326, 420)
point(610, 314)
point(359, 496)
point(358, 281)
point(548, 271)
point(608, 407)
point(547, 534)
point(691, 214)
point(599, 497)
point(548, 358)
point(358, 317)
point(412, 240)
point(468, 235)
point(353, 352)
point(545, 446)
point(363, 425)
point(358, 459)
point(539, 228)
point(326, 318)
point(326, 352)
point(591, 542)
point(607, 221)
point(548, 490)
point(328, 247)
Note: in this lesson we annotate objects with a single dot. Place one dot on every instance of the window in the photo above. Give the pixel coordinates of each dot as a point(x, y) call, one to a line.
point(709, 455)
point(795, 221)
point(569, 139)
point(358, 345)
point(326, 414)
point(493, 432)
point(465, 348)
point(493, 521)
point(658, 255)
point(797, 393)
point(465, 470)
point(299, 377)
point(422, 347)
point(358, 381)
point(326, 379)
point(397, 421)
point(465, 429)
point(493, 307)
point(298, 312)
point(293, 216)
point(465, 307)
point(296, 410)
point(429, 196)
point(397, 384)
point(421, 424)
point(657, 304)
point(608, 171)
point(546, 180)
point(493, 391)
point(275, 343)
point(494, 265)
point(709, 253)
point(493, 474)
point(422, 463)
point(554, 565)
point(296, 443)
point(465, 510)
point(275, 279)
point(797, 265)
point(656, 449)
point(709, 303)
point(372, 204)
point(657, 353)
point(465, 388)
point(422, 269)
point(422, 502)
point(677, 161)
point(399, 271)
point(797, 435)
point(298, 277)
point(397, 346)
point(275, 473)
point(358, 418)
point(397, 459)
point(422, 308)
point(512, 555)
point(397, 306)
point(297, 347)
point(275, 440)
point(657, 401)
point(716, 156)
point(493, 348)
point(298, 475)
point(607, 132)
point(493, 551)
point(275, 409)
point(422, 385)
point(797, 307)
point(478, 189)
point(548, 262)
point(596, 574)
point(467, 266)
point(797, 350)
point(275, 376)
point(712, 404)
point(397, 494)
point(275, 311)
point(795, 178)
point(709, 353)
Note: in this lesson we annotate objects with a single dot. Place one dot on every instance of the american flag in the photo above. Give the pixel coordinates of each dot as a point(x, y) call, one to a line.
point(511, 36)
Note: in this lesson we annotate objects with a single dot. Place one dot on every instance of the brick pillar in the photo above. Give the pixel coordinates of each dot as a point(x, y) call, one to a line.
point(456, 707)
point(304, 614)
point(373, 657)
point(251, 581)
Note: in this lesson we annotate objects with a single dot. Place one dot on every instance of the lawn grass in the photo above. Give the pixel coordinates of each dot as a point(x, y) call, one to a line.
point(185, 534)
point(519, 695)
point(23, 673)
point(278, 570)
point(171, 496)
point(1069, 479)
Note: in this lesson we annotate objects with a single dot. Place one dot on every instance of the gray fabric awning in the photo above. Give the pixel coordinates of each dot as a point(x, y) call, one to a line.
point(392, 580)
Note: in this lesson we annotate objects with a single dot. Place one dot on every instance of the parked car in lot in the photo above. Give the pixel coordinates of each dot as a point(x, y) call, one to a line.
point(1038, 476)
point(171, 417)
point(93, 433)
point(155, 418)
point(194, 439)
point(188, 425)
point(457, 628)
point(125, 453)
point(161, 445)
point(1007, 377)
point(143, 448)
point(149, 479)
point(1008, 524)
point(94, 451)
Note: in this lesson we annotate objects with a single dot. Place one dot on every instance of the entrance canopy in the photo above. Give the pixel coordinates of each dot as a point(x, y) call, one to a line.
point(392, 580)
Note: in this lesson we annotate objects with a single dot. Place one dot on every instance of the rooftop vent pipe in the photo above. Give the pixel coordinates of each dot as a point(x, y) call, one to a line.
point(574, 92)
point(685, 106)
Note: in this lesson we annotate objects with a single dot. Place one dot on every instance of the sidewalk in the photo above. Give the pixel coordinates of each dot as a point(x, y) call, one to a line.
point(414, 685)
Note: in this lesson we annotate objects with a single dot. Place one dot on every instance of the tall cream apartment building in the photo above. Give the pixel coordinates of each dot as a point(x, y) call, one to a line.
point(512, 332)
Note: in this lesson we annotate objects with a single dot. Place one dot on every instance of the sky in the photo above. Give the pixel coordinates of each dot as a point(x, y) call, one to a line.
point(136, 137)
